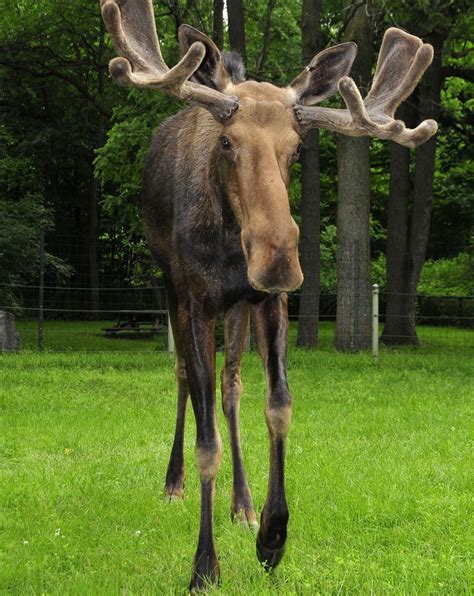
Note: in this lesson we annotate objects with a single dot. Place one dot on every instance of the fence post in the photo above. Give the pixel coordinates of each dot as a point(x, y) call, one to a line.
point(171, 347)
point(41, 293)
point(375, 322)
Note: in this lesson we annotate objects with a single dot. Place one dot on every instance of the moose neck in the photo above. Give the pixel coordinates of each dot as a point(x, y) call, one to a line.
point(200, 165)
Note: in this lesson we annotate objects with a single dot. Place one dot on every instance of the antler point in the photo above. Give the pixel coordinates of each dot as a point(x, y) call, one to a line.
point(109, 10)
point(197, 49)
point(120, 69)
point(345, 84)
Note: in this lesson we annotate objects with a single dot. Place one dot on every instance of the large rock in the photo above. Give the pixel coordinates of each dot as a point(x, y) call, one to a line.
point(9, 338)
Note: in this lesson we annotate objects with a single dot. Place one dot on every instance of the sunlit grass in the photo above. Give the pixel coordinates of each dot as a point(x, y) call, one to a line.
point(379, 476)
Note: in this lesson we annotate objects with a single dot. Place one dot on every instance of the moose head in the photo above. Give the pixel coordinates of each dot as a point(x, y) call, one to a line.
point(256, 128)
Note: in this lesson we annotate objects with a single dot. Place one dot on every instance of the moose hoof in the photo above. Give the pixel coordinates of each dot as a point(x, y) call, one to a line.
point(174, 492)
point(269, 557)
point(205, 574)
point(271, 538)
point(246, 518)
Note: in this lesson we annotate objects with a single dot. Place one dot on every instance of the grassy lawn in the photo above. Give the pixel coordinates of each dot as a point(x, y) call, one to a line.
point(67, 336)
point(380, 474)
point(73, 336)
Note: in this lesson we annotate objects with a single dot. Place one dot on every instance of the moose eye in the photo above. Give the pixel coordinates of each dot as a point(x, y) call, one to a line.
point(225, 142)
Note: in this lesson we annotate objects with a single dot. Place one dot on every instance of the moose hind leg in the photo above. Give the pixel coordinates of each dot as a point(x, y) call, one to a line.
point(235, 330)
point(175, 475)
point(271, 332)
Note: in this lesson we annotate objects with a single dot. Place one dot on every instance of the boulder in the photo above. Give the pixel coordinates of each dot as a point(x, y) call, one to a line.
point(9, 337)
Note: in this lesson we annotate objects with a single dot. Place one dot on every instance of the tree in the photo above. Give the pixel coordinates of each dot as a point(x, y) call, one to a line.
point(409, 214)
point(353, 241)
point(56, 51)
point(266, 39)
point(308, 322)
point(235, 11)
point(218, 24)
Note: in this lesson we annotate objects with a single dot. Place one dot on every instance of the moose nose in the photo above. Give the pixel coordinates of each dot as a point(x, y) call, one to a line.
point(272, 260)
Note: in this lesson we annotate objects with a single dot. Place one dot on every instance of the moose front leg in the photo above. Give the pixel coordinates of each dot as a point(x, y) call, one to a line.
point(235, 330)
point(197, 335)
point(271, 333)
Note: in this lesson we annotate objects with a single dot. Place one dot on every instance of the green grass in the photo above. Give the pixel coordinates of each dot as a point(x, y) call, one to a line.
point(71, 336)
point(379, 476)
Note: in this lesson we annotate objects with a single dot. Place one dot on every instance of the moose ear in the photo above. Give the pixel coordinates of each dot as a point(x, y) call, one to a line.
point(211, 72)
point(320, 78)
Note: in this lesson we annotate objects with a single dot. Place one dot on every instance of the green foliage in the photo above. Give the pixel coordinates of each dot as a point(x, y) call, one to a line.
point(283, 61)
point(442, 277)
point(119, 163)
point(50, 119)
point(448, 277)
point(328, 257)
point(379, 271)
point(23, 214)
point(453, 213)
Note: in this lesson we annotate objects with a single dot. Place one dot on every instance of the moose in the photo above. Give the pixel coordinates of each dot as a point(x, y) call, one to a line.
point(217, 219)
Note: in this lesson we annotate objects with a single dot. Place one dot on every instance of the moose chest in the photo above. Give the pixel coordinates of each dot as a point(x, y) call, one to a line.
point(210, 257)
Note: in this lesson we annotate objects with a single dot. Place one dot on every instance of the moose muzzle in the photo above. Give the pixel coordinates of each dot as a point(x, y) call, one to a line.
point(272, 258)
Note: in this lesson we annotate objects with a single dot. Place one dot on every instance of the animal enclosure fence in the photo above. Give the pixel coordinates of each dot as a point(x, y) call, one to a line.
point(53, 318)
point(72, 316)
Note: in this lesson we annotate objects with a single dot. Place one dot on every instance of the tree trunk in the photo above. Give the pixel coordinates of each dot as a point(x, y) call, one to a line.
point(403, 274)
point(266, 38)
point(397, 328)
point(93, 229)
point(235, 12)
point(308, 322)
point(218, 24)
point(93, 217)
point(353, 323)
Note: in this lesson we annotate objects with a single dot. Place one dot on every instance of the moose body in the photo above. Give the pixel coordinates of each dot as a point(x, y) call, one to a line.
point(217, 219)
point(196, 239)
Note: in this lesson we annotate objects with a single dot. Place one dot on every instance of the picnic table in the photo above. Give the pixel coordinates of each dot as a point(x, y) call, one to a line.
point(139, 322)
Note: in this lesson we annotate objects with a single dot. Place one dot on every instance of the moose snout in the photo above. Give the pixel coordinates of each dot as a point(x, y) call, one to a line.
point(272, 259)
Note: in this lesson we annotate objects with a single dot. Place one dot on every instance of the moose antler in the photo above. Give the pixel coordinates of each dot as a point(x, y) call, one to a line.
point(131, 25)
point(402, 61)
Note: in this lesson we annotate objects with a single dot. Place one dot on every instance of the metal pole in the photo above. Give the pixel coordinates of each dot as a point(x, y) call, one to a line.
point(375, 322)
point(171, 347)
point(41, 293)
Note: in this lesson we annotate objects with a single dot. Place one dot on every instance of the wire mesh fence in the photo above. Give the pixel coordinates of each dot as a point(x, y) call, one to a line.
point(63, 319)
point(70, 315)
